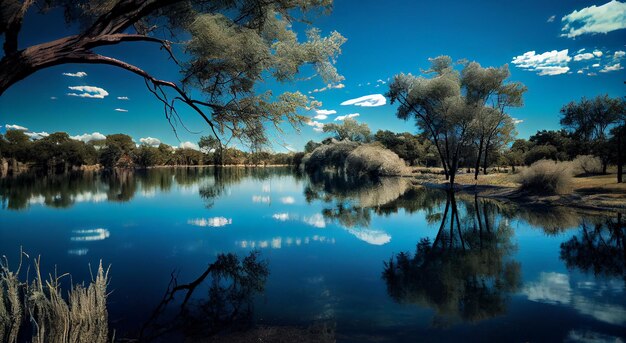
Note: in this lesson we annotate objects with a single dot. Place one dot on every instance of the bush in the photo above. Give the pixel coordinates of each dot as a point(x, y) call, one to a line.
point(546, 177)
point(329, 156)
point(586, 165)
point(374, 160)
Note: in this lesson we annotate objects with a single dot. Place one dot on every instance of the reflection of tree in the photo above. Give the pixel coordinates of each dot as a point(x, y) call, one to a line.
point(600, 248)
point(232, 285)
point(465, 272)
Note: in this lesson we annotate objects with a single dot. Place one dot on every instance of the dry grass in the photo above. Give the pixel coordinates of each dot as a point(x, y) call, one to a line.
point(546, 177)
point(374, 160)
point(81, 318)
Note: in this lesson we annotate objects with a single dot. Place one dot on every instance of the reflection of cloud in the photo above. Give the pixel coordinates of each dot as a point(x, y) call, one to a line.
point(552, 288)
point(287, 200)
point(210, 222)
point(90, 235)
point(316, 220)
point(280, 242)
point(283, 217)
point(264, 199)
point(266, 188)
point(90, 197)
point(587, 298)
point(591, 337)
point(78, 252)
point(374, 237)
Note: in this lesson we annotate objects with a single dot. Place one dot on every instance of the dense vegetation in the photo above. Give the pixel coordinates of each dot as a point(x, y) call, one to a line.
point(58, 152)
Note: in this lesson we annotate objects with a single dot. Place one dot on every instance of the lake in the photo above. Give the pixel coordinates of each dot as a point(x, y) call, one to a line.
point(370, 260)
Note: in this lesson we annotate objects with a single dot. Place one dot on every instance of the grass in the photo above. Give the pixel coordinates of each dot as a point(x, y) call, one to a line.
point(81, 317)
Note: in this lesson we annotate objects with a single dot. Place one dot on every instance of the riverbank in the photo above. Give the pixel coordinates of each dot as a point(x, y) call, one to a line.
point(591, 193)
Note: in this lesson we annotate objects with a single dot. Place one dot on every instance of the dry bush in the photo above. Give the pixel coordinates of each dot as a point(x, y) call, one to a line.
point(329, 156)
point(81, 318)
point(546, 177)
point(374, 160)
point(586, 165)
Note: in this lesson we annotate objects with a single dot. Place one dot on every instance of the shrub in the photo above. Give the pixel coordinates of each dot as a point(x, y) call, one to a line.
point(546, 177)
point(374, 160)
point(586, 165)
point(329, 156)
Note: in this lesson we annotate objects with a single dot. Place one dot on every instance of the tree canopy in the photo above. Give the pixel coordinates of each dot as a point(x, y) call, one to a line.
point(222, 48)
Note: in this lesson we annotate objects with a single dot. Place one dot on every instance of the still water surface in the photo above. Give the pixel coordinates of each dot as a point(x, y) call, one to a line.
point(381, 261)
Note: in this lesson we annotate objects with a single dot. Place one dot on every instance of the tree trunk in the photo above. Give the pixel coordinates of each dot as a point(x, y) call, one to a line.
point(620, 151)
point(486, 160)
point(477, 169)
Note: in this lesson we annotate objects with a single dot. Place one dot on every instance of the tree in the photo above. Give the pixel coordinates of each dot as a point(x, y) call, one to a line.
point(310, 146)
point(210, 144)
point(350, 129)
point(486, 88)
point(439, 110)
point(589, 121)
point(117, 146)
point(227, 48)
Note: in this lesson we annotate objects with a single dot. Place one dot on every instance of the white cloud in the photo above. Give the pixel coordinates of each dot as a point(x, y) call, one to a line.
point(36, 135)
point(122, 98)
point(595, 19)
point(120, 110)
point(317, 126)
point(551, 19)
point(351, 115)
point(91, 235)
point(596, 65)
point(150, 141)
point(549, 63)
point(371, 100)
point(15, 127)
point(320, 117)
point(619, 54)
point(580, 72)
point(582, 57)
point(326, 112)
point(288, 200)
point(78, 74)
point(88, 92)
point(189, 145)
point(328, 87)
point(381, 81)
point(610, 68)
point(598, 53)
point(517, 121)
point(88, 137)
point(210, 222)
point(374, 237)
point(581, 50)
point(53, 98)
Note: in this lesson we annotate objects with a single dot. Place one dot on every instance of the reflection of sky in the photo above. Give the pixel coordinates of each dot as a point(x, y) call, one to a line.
point(210, 222)
point(587, 297)
point(300, 245)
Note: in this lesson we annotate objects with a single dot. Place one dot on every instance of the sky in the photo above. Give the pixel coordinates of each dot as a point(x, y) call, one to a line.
point(561, 50)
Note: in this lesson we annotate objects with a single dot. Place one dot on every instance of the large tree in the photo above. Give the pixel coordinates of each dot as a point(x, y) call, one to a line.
point(589, 121)
point(350, 129)
point(222, 48)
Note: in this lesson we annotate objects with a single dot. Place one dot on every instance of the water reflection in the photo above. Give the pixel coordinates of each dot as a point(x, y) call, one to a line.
point(464, 273)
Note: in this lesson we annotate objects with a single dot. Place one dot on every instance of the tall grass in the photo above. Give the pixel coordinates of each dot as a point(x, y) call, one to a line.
point(546, 177)
point(39, 309)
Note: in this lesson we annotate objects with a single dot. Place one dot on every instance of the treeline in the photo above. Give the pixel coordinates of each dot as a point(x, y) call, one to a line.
point(59, 153)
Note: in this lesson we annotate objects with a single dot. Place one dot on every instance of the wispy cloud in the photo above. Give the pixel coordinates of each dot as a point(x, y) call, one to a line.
point(122, 98)
point(15, 127)
point(78, 74)
point(150, 141)
point(317, 126)
point(372, 100)
point(88, 92)
point(551, 19)
point(549, 63)
point(328, 87)
point(88, 137)
point(323, 114)
point(595, 19)
point(120, 110)
point(351, 115)
point(53, 98)
point(517, 121)
point(610, 68)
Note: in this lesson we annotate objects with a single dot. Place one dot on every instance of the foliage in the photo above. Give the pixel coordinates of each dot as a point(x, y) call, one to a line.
point(414, 149)
point(350, 129)
point(546, 177)
point(223, 50)
point(586, 165)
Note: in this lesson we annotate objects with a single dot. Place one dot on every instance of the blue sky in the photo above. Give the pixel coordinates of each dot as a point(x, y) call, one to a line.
point(542, 41)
